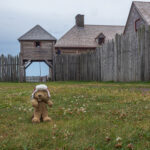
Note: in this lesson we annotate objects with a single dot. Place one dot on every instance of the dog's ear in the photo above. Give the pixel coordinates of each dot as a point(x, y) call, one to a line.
point(34, 95)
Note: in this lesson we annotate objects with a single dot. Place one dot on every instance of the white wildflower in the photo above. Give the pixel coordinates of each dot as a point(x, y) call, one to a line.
point(30, 109)
point(118, 139)
point(55, 126)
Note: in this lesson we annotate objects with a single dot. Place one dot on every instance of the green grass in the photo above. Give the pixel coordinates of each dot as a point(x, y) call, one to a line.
point(83, 114)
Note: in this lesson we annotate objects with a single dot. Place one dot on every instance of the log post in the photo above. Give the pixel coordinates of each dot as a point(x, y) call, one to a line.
point(22, 73)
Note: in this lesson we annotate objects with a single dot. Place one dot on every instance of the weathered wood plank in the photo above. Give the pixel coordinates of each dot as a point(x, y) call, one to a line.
point(122, 59)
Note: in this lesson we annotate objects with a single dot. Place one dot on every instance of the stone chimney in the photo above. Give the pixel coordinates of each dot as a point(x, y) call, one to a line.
point(80, 20)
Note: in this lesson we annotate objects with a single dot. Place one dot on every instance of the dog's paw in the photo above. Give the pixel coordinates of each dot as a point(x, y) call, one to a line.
point(50, 103)
point(47, 119)
point(35, 120)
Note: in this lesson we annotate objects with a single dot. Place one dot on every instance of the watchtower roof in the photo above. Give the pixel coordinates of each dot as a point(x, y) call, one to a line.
point(37, 33)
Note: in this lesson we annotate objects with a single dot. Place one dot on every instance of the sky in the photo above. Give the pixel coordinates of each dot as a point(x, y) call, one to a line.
point(56, 16)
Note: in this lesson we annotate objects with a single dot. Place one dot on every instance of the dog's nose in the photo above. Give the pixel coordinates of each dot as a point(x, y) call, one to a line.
point(39, 95)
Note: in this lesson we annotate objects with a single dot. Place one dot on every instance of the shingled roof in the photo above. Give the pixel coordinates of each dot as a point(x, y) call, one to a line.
point(37, 33)
point(144, 10)
point(85, 36)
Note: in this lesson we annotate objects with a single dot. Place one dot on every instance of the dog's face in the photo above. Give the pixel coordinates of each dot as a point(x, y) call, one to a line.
point(41, 95)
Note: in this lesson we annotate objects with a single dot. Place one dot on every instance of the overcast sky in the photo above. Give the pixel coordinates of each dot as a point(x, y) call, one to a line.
point(56, 16)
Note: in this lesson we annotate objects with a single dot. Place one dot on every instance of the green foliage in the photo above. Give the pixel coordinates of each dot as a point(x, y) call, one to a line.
point(86, 116)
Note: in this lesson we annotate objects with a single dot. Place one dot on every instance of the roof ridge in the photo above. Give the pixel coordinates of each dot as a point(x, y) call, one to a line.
point(33, 28)
point(46, 31)
point(105, 25)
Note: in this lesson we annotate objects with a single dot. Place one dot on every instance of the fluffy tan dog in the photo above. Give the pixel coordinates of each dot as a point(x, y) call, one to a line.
point(41, 98)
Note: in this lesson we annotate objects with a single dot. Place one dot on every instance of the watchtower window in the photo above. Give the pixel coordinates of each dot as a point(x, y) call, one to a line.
point(37, 44)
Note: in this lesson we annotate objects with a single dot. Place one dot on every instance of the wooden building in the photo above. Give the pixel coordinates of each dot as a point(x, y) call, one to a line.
point(139, 15)
point(83, 38)
point(36, 45)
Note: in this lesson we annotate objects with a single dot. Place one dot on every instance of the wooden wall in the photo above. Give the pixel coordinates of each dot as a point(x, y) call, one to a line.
point(30, 52)
point(133, 16)
point(9, 68)
point(123, 59)
point(74, 50)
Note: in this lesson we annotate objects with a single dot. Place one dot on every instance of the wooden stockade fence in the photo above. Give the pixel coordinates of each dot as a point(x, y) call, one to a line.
point(9, 68)
point(123, 59)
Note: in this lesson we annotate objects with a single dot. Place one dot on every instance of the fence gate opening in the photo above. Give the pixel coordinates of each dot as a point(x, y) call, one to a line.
point(38, 72)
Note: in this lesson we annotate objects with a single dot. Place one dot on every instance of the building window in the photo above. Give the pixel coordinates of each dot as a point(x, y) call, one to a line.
point(137, 25)
point(101, 40)
point(58, 52)
point(37, 44)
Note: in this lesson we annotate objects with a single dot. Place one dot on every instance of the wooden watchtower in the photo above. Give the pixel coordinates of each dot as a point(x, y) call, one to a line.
point(37, 45)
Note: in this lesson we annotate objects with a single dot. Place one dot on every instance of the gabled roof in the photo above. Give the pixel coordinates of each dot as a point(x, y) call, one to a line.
point(144, 10)
point(37, 33)
point(85, 36)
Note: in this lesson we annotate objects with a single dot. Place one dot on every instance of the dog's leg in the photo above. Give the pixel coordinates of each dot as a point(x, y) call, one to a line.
point(34, 103)
point(37, 116)
point(45, 114)
point(50, 103)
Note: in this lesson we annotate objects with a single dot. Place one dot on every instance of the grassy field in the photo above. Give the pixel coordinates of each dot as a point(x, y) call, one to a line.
point(86, 116)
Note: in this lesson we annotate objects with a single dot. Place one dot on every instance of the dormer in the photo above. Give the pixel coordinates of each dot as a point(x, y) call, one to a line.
point(100, 39)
